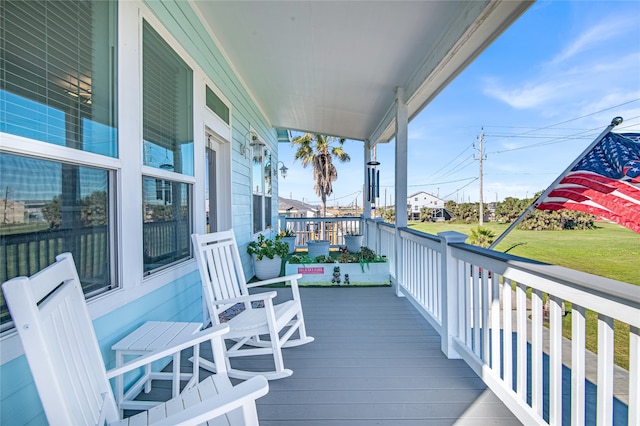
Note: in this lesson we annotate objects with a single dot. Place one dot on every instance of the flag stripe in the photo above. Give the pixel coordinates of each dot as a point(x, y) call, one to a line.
point(605, 182)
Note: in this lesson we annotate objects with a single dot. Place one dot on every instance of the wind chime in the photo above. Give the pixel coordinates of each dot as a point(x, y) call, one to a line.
point(373, 183)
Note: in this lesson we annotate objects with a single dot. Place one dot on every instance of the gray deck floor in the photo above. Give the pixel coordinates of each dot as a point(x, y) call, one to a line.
point(374, 361)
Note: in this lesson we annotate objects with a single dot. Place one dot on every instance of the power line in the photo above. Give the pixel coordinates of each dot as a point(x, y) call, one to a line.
point(578, 118)
point(463, 187)
point(580, 136)
point(431, 184)
point(454, 159)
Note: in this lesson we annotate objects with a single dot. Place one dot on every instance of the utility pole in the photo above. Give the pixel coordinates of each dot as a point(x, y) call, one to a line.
point(481, 156)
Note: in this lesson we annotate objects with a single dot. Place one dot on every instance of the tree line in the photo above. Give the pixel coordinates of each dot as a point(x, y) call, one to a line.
point(506, 212)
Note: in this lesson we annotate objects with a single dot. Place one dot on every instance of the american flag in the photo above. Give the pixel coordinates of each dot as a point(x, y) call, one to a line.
point(605, 182)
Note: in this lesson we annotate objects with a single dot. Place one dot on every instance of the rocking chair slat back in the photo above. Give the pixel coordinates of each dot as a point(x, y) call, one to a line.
point(222, 279)
point(60, 345)
point(262, 327)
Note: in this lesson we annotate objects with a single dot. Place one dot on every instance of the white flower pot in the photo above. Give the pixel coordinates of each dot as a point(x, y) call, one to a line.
point(292, 243)
point(267, 268)
point(318, 248)
point(353, 242)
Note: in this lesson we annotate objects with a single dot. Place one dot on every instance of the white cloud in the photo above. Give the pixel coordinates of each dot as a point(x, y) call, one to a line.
point(592, 37)
point(530, 96)
point(569, 76)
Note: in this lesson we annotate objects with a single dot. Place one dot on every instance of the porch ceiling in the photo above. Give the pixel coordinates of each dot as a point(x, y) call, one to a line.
point(332, 67)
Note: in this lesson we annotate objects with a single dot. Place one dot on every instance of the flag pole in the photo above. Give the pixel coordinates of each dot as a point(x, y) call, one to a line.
point(616, 121)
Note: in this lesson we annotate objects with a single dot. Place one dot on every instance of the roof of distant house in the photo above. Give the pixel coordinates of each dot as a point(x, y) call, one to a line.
point(288, 204)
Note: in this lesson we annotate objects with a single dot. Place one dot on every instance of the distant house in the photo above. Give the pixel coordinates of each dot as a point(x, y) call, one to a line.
point(295, 208)
point(12, 211)
point(415, 203)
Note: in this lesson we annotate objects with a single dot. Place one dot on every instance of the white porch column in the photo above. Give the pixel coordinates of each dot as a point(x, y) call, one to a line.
point(366, 204)
point(450, 316)
point(402, 124)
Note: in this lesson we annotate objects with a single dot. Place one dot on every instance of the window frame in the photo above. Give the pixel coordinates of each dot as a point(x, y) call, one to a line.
point(45, 142)
point(148, 171)
point(39, 150)
point(256, 142)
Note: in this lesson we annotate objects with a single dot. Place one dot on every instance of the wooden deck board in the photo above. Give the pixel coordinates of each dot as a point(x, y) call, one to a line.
point(374, 361)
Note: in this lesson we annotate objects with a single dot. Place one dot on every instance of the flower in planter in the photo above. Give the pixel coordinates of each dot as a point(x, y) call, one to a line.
point(265, 247)
point(286, 233)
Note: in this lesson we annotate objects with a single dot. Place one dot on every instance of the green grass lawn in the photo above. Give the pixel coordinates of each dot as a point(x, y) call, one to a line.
point(610, 251)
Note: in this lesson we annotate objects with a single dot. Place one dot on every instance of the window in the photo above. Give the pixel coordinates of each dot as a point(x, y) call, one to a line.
point(167, 225)
point(48, 208)
point(168, 147)
point(262, 185)
point(215, 104)
point(58, 86)
point(59, 73)
point(167, 106)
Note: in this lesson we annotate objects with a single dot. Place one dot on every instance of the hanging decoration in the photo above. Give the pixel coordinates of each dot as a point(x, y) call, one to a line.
point(373, 183)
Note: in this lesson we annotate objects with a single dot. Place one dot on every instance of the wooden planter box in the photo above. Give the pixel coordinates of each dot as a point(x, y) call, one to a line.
point(322, 273)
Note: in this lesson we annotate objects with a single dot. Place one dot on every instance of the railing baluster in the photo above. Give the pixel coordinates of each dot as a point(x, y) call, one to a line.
point(436, 273)
point(495, 324)
point(634, 376)
point(521, 367)
point(604, 414)
point(485, 297)
point(536, 351)
point(475, 288)
point(578, 322)
point(463, 295)
point(507, 326)
point(555, 361)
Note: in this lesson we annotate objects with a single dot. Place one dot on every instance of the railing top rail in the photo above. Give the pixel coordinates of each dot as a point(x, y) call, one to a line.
point(386, 224)
point(431, 237)
point(569, 284)
point(321, 219)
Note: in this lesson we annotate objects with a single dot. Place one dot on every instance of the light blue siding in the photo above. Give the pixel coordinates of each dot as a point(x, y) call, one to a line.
point(178, 301)
point(185, 26)
point(181, 299)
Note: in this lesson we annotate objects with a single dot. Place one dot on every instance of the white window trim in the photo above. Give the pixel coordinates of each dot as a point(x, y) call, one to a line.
point(128, 167)
point(261, 193)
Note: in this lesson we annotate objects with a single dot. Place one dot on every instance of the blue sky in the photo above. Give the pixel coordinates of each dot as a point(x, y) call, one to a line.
point(542, 92)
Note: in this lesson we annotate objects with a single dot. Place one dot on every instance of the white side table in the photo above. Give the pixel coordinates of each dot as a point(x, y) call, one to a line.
point(151, 336)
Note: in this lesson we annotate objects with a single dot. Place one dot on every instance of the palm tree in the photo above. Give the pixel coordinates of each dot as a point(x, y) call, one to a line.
point(319, 150)
point(481, 236)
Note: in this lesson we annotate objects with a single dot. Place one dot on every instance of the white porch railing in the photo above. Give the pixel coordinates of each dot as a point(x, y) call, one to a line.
point(321, 228)
point(503, 316)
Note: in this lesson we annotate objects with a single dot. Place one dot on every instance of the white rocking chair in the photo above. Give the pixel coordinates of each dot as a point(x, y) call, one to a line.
point(50, 314)
point(224, 285)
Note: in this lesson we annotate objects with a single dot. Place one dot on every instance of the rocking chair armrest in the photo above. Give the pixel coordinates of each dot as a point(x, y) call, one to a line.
point(266, 296)
point(195, 339)
point(231, 399)
point(292, 278)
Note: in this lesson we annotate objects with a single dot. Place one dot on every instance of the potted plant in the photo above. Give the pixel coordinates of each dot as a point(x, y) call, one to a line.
point(362, 268)
point(318, 248)
point(267, 256)
point(353, 241)
point(288, 237)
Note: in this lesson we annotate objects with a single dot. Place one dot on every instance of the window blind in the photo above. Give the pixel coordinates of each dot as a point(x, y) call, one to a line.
point(58, 72)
